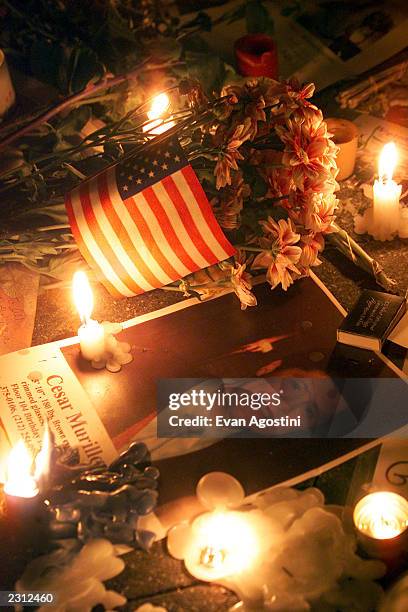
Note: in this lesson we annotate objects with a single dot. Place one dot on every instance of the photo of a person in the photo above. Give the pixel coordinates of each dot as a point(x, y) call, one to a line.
point(347, 28)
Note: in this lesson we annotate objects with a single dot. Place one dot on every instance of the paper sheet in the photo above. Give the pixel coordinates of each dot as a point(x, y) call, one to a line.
point(392, 466)
point(399, 334)
point(314, 41)
point(36, 385)
point(18, 302)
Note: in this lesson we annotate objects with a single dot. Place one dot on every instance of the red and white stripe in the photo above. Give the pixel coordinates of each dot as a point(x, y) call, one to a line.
point(158, 236)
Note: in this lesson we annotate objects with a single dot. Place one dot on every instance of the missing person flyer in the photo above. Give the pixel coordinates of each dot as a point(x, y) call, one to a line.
point(37, 386)
point(100, 413)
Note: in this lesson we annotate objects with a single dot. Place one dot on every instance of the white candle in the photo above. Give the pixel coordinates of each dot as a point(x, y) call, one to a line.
point(160, 105)
point(386, 211)
point(382, 515)
point(91, 333)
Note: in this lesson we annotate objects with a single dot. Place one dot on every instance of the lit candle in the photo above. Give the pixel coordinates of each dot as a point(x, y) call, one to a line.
point(386, 209)
point(224, 545)
point(91, 334)
point(21, 480)
point(382, 515)
point(23, 474)
point(381, 520)
point(24, 503)
point(160, 105)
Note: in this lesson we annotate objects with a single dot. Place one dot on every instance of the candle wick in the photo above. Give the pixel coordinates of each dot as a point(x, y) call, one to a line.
point(85, 319)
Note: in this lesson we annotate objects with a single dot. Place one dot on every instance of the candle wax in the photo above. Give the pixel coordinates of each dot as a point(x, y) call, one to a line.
point(386, 209)
point(92, 340)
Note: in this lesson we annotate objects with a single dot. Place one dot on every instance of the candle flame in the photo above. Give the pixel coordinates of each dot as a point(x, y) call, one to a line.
point(387, 161)
point(382, 515)
point(20, 481)
point(83, 296)
point(224, 543)
point(23, 474)
point(160, 105)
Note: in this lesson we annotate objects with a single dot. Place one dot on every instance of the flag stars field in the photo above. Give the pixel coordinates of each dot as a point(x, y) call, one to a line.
point(146, 222)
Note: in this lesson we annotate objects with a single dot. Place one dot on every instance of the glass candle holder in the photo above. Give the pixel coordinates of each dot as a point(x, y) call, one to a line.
point(381, 521)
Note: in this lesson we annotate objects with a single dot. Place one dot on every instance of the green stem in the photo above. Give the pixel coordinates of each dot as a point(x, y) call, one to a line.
point(105, 83)
point(244, 247)
point(353, 251)
point(24, 17)
point(97, 99)
point(49, 228)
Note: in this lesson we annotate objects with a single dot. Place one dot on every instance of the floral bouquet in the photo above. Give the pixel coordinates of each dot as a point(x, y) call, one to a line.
point(268, 165)
point(274, 168)
point(265, 159)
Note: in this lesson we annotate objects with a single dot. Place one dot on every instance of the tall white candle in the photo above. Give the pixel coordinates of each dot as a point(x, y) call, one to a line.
point(91, 333)
point(386, 212)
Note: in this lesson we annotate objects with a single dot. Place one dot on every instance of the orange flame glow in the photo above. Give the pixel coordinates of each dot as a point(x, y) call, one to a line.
point(387, 161)
point(23, 473)
point(83, 296)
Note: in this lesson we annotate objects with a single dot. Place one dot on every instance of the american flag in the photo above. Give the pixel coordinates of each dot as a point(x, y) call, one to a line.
point(146, 222)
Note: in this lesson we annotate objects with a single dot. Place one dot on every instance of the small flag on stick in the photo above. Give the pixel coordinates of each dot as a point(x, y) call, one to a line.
point(146, 222)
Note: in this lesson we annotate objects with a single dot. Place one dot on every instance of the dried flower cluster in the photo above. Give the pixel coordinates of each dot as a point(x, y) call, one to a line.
point(275, 171)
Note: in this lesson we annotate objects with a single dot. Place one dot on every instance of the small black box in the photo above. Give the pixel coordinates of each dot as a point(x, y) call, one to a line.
point(371, 320)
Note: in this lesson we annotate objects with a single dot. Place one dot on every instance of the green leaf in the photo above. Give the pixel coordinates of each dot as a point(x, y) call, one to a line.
point(202, 20)
point(259, 187)
point(82, 67)
point(257, 18)
point(118, 27)
point(196, 44)
point(56, 212)
point(45, 61)
point(208, 69)
point(163, 49)
point(73, 123)
point(113, 150)
point(64, 265)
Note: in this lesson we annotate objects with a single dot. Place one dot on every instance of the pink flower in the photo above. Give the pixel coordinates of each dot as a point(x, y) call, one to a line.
point(297, 101)
point(311, 246)
point(280, 253)
point(320, 215)
point(228, 204)
point(229, 155)
point(241, 284)
point(309, 152)
point(227, 161)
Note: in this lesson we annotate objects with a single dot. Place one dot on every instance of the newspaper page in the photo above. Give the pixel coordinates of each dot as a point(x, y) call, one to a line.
point(322, 41)
point(374, 133)
point(101, 413)
point(37, 386)
point(392, 465)
point(18, 302)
